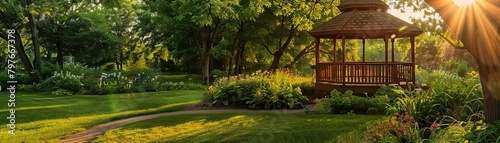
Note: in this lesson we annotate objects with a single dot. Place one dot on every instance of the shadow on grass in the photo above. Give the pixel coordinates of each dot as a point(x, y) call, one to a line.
point(248, 127)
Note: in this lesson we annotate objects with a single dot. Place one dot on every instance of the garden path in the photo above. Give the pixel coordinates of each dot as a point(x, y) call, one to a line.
point(92, 133)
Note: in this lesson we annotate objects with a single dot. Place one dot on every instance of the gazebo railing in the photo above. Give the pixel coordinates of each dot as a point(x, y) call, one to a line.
point(365, 73)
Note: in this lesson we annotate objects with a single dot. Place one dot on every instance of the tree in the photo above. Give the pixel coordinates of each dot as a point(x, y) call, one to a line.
point(12, 17)
point(85, 24)
point(478, 28)
point(291, 17)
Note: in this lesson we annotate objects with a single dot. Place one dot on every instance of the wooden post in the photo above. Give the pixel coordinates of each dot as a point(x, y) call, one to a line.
point(334, 49)
point(393, 66)
point(343, 60)
point(316, 46)
point(386, 41)
point(412, 43)
point(364, 41)
point(392, 44)
point(363, 66)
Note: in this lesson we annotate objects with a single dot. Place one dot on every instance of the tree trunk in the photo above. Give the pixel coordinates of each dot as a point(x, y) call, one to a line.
point(298, 56)
point(60, 56)
point(34, 38)
point(241, 55)
point(121, 60)
point(49, 55)
point(481, 39)
point(490, 81)
point(281, 48)
point(21, 53)
point(233, 50)
point(276, 60)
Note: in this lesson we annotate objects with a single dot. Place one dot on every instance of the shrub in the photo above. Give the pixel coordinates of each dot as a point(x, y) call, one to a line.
point(323, 105)
point(21, 77)
point(457, 66)
point(347, 102)
point(403, 129)
point(391, 91)
point(48, 69)
point(62, 80)
point(259, 90)
point(28, 87)
point(215, 74)
point(306, 87)
point(62, 92)
point(450, 98)
point(140, 72)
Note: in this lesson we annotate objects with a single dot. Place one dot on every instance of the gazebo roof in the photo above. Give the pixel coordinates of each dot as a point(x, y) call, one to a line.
point(355, 4)
point(364, 18)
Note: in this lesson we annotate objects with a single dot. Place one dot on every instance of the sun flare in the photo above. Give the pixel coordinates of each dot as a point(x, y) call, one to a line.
point(464, 3)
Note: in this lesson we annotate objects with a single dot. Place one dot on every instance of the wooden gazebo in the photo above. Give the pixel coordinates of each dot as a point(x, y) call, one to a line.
point(363, 19)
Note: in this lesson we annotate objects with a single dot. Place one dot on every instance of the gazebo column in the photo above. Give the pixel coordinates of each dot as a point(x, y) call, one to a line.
point(364, 72)
point(316, 47)
point(386, 41)
point(334, 49)
point(392, 44)
point(412, 43)
point(393, 66)
point(364, 42)
point(343, 60)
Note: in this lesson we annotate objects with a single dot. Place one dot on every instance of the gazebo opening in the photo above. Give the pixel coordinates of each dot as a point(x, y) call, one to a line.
point(362, 20)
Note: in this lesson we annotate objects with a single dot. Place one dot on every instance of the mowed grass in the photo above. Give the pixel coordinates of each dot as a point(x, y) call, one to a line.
point(180, 77)
point(242, 127)
point(42, 117)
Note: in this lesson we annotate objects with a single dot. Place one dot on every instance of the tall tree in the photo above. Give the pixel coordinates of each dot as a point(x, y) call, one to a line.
point(478, 28)
point(289, 18)
point(85, 24)
point(12, 16)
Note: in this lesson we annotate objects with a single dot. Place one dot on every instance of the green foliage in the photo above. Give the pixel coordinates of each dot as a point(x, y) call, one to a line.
point(62, 92)
point(21, 77)
point(259, 90)
point(403, 129)
point(450, 99)
point(62, 80)
point(323, 105)
point(48, 69)
point(307, 88)
point(109, 67)
point(347, 102)
point(457, 66)
point(215, 74)
point(490, 134)
point(391, 91)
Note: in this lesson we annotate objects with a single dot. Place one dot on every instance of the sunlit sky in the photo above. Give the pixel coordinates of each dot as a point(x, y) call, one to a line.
point(405, 16)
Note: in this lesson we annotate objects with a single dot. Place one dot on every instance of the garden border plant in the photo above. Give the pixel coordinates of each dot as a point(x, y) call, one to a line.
point(260, 90)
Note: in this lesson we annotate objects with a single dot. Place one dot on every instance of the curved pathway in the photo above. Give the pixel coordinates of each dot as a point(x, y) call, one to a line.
point(92, 133)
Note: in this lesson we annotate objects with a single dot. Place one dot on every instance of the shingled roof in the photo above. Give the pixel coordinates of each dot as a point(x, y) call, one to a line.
point(364, 17)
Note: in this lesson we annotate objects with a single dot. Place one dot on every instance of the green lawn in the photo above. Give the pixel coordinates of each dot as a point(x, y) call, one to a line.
point(247, 127)
point(50, 118)
point(179, 77)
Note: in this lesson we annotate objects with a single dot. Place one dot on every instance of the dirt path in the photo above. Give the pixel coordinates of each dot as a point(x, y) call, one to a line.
point(92, 133)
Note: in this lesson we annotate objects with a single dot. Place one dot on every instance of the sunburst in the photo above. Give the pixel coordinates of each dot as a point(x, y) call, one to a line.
point(464, 3)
